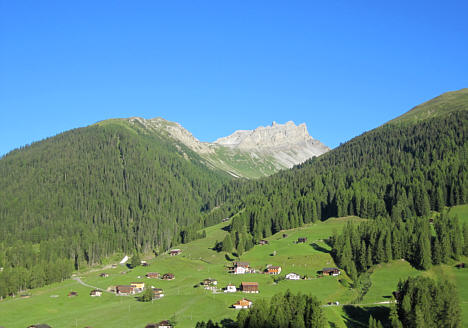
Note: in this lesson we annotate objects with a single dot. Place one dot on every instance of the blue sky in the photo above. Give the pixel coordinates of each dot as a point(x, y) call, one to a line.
point(217, 66)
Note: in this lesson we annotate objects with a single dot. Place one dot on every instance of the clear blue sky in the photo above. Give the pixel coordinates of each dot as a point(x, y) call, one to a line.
point(342, 67)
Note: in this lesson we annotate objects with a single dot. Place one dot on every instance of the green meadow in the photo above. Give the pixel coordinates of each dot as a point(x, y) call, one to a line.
point(186, 302)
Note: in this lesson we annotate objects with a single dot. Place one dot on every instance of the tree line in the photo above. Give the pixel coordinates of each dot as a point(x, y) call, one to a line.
point(382, 240)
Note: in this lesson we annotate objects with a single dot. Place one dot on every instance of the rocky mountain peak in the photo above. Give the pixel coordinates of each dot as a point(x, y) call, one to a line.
point(288, 143)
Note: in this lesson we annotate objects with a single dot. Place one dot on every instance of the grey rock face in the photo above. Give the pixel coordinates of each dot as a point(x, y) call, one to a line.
point(287, 143)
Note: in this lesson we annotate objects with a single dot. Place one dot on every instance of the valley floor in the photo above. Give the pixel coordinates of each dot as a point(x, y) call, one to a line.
point(186, 302)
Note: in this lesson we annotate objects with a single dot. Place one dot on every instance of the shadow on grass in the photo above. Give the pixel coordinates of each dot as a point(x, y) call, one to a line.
point(319, 248)
point(357, 316)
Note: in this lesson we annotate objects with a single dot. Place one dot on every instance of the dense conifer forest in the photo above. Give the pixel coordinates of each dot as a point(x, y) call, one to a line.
point(382, 240)
point(425, 303)
point(395, 171)
point(76, 198)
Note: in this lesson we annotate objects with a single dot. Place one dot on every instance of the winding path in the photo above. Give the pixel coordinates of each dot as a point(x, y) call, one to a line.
point(78, 279)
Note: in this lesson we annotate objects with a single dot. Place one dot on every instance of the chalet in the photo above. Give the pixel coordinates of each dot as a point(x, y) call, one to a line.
point(263, 242)
point(293, 276)
point(273, 269)
point(330, 271)
point(138, 286)
point(285, 235)
point(301, 240)
point(230, 289)
point(210, 284)
point(124, 290)
point(95, 292)
point(157, 293)
point(164, 324)
point(174, 252)
point(460, 265)
point(242, 304)
point(72, 294)
point(241, 268)
point(225, 219)
point(104, 275)
point(249, 287)
point(168, 276)
point(143, 263)
point(152, 275)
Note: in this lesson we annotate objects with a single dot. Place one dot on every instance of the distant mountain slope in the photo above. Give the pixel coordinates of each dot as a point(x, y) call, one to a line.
point(249, 154)
point(396, 170)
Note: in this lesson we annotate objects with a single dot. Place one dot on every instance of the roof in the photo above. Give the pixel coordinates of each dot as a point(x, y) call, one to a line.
point(243, 302)
point(243, 264)
point(274, 267)
point(124, 288)
point(330, 269)
point(250, 284)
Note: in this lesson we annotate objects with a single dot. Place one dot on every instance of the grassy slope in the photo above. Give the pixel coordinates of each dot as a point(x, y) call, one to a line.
point(445, 103)
point(197, 262)
point(187, 303)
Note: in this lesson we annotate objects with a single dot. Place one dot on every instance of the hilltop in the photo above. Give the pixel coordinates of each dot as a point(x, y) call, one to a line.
point(442, 105)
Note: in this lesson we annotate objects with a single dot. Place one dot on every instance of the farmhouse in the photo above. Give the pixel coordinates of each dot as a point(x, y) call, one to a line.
point(152, 275)
point(168, 276)
point(104, 275)
point(330, 271)
point(301, 240)
point(210, 282)
point(138, 286)
point(273, 269)
point(164, 324)
point(95, 292)
point(249, 287)
point(263, 242)
point(174, 252)
point(143, 263)
point(157, 293)
point(230, 289)
point(241, 268)
point(124, 290)
point(293, 276)
point(242, 304)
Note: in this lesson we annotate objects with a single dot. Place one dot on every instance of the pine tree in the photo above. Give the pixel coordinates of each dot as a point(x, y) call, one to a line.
point(147, 296)
point(465, 239)
point(227, 244)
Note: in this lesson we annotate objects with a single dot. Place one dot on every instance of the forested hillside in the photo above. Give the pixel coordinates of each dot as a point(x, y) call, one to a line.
point(80, 196)
point(395, 171)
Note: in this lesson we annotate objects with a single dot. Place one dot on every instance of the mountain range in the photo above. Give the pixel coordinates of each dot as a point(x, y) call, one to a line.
point(245, 153)
point(137, 185)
